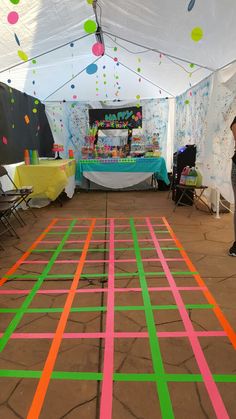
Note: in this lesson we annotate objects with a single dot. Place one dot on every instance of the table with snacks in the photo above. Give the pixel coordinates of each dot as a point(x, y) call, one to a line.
point(119, 173)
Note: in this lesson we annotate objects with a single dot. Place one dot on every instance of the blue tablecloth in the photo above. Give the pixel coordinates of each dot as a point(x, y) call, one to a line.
point(155, 165)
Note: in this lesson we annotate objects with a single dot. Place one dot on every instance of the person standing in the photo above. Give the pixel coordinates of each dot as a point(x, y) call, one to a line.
point(232, 250)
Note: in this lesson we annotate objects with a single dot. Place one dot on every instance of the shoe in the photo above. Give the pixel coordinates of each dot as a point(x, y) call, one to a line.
point(232, 250)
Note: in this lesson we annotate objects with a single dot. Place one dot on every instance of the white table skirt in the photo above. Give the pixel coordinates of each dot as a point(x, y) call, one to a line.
point(117, 180)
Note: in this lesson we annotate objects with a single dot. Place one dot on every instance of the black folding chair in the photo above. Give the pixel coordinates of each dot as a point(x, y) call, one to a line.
point(6, 209)
point(22, 193)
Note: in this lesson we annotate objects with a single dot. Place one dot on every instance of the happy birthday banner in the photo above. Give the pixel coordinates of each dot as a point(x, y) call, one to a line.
point(123, 118)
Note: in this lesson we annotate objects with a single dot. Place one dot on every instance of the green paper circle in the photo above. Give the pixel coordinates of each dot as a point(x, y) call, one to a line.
point(35, 110)
point(90, 26)
point(191, 65)
point(138, 97)
point(186, 102)
point(34, 61)
point(90, 2)
point(36, 102)
point(23, 56)
point(197, 34)
point(15, 1)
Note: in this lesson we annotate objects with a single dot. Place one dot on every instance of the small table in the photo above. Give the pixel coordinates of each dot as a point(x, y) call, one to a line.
point(48, 178)
point(194, 199)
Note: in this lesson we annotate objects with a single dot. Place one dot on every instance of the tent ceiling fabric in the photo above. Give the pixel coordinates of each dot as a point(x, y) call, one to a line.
point(164, 26)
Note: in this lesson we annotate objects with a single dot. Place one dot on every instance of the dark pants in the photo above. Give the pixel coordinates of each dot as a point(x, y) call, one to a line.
point(233, 179)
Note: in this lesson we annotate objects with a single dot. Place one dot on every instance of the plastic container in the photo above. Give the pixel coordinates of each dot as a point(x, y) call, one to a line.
point(35, 157)
point(184, 174)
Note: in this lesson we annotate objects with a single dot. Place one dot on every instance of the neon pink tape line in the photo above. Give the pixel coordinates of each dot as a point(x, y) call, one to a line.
point(123, 335)
point(93, 290)
point(107, 384)
point(64, 262)
point(210, 385)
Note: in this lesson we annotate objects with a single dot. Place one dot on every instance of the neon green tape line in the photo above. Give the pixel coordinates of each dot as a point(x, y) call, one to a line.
point(118, 275)
point(161, 384)
point(86, 376)
point(100, 309)
point(21, 311)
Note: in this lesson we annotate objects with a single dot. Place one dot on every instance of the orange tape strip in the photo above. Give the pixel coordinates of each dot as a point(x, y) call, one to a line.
point(43, 384)
point(222, 319)
point(27, 253)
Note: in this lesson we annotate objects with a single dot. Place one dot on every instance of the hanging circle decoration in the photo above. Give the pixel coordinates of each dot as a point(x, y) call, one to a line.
point(197, 34)
point(17, 39)
point(12, 18)
point(98, 49)
point(92, 69)
point(23, 56)
point(90, 26)
point(90, 2)
point(15, 1)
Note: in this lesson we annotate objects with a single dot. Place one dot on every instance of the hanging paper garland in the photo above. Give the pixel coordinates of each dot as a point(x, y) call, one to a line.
point(90, 26)
point(92, 69)
point(197, 34)
point(98, 49)
point(191, 5)
point(13, 18)
point(23, 56)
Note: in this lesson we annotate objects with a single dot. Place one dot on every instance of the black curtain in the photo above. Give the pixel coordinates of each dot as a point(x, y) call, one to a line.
point(23, 125)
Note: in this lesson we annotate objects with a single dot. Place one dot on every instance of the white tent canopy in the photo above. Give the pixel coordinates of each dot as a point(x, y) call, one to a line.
point(149, 50)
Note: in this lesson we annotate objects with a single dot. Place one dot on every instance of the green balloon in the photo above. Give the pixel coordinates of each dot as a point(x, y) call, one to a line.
point(90, 26)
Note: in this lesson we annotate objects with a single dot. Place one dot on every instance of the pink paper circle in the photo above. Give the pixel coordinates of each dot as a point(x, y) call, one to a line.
point(98, 49)
point(12, 18)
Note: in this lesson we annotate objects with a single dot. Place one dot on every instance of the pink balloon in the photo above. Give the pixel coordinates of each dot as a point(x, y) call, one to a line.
point(13, 18)
point(98, 49)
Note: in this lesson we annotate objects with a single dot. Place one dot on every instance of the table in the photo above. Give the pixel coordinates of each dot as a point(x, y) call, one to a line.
point(121, 173)
point(195, 199)
point(48, 178)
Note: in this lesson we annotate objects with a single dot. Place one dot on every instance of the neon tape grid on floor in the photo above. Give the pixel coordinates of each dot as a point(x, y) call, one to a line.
point(110, 245)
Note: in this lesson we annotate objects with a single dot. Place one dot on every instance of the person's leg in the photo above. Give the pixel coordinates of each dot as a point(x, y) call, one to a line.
point(232, 250)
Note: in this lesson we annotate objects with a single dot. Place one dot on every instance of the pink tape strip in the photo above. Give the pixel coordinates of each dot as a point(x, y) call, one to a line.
point(123, 335)
point(107, 384)
point(93, 290)
point(211, 386)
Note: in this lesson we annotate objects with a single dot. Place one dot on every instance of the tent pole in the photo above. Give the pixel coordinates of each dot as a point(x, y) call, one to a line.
point(141, 76)
point(159, 52)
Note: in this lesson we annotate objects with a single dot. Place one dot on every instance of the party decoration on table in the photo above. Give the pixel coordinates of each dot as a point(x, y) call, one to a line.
point(57, 148)
point(116, 118)
point(191, 5)
point(197, 34)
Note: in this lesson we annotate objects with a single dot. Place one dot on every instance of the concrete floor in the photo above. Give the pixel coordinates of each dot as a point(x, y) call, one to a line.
point(206, 241)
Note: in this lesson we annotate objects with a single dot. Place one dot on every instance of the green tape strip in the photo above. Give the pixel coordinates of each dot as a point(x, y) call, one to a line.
point(118, 275)
point(100, 309)
point(161, 384)
point(86, 376)
point(21, 311)
point(125, 249)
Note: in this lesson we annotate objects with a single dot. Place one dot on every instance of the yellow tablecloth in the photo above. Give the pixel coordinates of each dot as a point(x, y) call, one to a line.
point(48, 178)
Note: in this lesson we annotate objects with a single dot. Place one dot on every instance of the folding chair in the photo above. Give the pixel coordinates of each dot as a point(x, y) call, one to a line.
point(13, 201)
point(5, 212)
point(23, 193)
